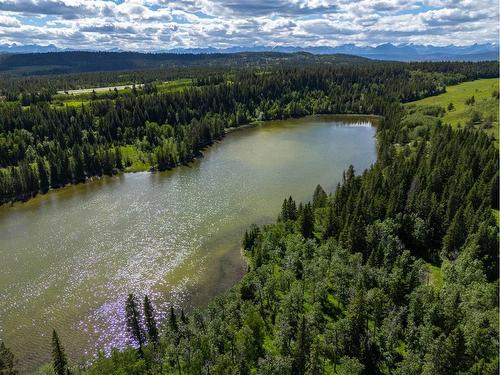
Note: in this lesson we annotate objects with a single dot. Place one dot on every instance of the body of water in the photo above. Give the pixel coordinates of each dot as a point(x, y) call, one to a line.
point(69, 258)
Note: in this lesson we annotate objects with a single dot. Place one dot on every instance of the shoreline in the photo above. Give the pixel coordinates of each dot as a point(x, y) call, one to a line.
point(375, 120)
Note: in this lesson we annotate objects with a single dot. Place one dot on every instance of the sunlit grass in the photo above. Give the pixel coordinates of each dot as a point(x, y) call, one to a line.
point(484, 103)
point(435, 276)
point(134, 159)
point(77, 99)
point(176, 85)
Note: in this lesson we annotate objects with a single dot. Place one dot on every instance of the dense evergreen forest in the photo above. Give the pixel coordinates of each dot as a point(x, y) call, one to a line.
point(86, 61)
point(43, 147)
point(395, 272)
point(44, 87)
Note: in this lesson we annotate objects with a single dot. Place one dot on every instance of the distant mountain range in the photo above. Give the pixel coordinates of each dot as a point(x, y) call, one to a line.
point(28, 48)
point(387, 51)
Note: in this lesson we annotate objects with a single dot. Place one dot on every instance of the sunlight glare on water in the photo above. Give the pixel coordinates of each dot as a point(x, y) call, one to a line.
point(69, 258)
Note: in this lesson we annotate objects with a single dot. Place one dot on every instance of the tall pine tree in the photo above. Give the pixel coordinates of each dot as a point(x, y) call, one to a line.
point(149, 319)
point(134, 322)
point(59, 361)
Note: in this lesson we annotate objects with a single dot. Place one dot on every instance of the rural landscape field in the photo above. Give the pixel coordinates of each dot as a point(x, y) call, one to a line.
point(249, 188)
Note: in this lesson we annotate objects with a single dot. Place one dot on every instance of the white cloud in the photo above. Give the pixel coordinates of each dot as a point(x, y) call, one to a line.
point(163, 24)
point(9, 21)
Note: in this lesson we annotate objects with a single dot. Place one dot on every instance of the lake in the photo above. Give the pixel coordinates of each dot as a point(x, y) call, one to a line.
point(69, 258)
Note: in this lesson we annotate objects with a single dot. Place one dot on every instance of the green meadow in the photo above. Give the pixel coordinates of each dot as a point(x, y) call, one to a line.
point(77, 100)
point(480, 112)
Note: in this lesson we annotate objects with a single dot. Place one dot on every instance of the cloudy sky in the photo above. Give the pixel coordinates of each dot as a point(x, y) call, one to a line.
point(164, 24)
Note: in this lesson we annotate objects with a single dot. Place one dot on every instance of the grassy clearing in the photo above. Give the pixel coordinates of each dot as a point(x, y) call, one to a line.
point(483, 113)
point(172, 86)
point(71, 103)
point(100, 89)
point(134, 160)
point(435, 276)
point(76, 99)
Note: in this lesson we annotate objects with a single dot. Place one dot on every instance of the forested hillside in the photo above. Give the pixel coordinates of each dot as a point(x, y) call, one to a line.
point(343, 284)
point(395, 272)
point(43, 147)
point(81, 61)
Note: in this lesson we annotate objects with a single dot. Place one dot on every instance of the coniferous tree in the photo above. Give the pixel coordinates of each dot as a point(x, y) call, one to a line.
point(330, 224)
point(284, 211)
point(319, 197)
point(78, 162)
point(184, 318)
point(172, 320)
point(455, 236)
point(7, 361)
point(307, 221)
point(134, 322)
point(150, 321)
point(43, 174)
point(292, 209)
point(59, 361)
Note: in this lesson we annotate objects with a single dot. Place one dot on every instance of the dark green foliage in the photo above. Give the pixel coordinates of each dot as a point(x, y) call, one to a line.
point(306, 220)
point(359, 298)
point(319, 197)
point(7, 361)
point(288, 210)
point(470, 101)
point(59, 361)
point(251, 237)
point(339, 285)
point(455, 236)
point(172, 320)
point(44, 175)
point(310, 305)
point(134, 323)
point(75, 143)
point(88, 61)
point(331, 224)
point(150, 322)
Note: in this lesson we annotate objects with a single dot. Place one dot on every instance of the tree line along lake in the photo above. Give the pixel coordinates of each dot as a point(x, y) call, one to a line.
point(70, 257)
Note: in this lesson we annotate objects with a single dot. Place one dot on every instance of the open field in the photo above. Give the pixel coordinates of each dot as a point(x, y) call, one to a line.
point(481, 113)
point(76, 98)
point(172, 86)
point(97, 89)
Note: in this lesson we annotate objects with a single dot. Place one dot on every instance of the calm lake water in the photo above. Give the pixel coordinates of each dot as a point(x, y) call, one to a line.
point(69, 258)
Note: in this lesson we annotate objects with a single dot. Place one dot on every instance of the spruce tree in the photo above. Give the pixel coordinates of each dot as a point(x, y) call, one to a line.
point(172, 320)
point(78, 164)
point(307, 221)
point(7, 361)
point(292, 209)
point(184, 318)
point(59, 361)
point(284, 211)
point(455, 236)
point(319, 197)
point(118, 158)
point(133, 322)
point(43, 174)
point(149, 319)
point(330, 224)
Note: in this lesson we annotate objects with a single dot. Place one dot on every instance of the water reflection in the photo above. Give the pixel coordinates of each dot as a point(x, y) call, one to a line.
point(69, 258)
